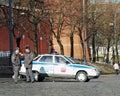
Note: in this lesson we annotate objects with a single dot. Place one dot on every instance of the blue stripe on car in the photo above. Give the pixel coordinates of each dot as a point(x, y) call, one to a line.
point(79, 66)
point(69, 65)
point(37, 63)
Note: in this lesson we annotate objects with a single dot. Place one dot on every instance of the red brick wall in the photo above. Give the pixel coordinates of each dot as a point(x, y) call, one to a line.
point(4, 41)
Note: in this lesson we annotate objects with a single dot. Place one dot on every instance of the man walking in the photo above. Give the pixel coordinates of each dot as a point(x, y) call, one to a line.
point(16, 64)
point(28, 57)
point(116, 68)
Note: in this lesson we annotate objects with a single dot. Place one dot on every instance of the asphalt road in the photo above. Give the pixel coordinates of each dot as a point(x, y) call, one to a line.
point(108, 85)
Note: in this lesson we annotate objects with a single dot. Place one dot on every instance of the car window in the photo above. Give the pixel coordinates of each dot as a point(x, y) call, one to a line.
point(46, 59)
point(35, 59)
point(60, 60)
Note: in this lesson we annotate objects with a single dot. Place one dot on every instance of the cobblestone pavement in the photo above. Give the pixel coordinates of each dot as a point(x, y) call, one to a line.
point(104, 86)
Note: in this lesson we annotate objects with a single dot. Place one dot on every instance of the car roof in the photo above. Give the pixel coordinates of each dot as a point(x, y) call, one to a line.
point(50, 55)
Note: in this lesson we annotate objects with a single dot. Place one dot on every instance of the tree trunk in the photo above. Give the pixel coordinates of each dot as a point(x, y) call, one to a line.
point(81, 41)
point(50, 46)
point(35, 40)
point(61, 46)
point(117, 56)
point(108, 49)
point(113, 55)
point(72, 41)
point(93, 48)
point(97, 53)
point(51, 37)
point(82, 44)
point(18, 40)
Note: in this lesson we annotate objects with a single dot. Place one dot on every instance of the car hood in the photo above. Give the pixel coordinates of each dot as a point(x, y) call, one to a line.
point(81, 66)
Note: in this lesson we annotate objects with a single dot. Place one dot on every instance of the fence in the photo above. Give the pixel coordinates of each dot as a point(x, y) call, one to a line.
point(5, 68)
point(4, 54)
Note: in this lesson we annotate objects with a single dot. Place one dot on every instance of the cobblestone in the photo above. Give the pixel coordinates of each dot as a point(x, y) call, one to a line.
point(104, 86)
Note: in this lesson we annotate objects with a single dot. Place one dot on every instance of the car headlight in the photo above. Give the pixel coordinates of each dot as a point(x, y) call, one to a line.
point(95, 70)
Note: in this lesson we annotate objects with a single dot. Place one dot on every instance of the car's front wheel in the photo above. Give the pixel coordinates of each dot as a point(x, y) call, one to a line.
point(82, 77)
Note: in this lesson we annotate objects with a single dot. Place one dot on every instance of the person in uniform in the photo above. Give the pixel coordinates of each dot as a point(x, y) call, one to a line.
point(28, 57)
point(15, 59)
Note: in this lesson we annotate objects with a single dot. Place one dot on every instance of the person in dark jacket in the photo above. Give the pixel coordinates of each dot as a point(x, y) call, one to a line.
point(28, 57)
point(16, 64)
point(54, 52)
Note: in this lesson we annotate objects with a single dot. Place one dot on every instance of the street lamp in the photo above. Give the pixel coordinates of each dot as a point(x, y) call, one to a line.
point(115, 36)
point(84, 30)
point(10, 28)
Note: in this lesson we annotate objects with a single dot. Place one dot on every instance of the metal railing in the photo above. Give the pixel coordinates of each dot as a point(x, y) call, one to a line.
point(4, 54)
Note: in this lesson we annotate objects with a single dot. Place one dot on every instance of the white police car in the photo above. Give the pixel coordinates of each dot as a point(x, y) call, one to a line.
point(49, 65)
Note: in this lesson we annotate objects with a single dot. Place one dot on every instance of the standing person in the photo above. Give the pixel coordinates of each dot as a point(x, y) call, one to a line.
point(116, 68)
point(28, 57)
point(16, 64)
point(54, 52)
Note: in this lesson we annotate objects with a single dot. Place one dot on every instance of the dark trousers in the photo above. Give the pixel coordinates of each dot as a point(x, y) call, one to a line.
point(116, 71)
point(16, 73)
point(29, 74)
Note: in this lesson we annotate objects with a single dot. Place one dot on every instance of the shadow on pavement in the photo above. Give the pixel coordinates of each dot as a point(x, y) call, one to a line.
point(5, 75)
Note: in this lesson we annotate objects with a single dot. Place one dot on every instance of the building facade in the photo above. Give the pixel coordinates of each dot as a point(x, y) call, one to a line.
point(43, 40)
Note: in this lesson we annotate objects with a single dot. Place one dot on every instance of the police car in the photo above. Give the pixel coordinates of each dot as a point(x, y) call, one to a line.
point(49, 65)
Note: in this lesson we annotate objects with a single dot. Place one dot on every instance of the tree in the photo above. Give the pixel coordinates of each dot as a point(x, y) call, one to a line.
point(79, 23)
point(71, 22)
point(17, 29)
point(95, 12)
point(100, 20)
point(107, 30)
point(36, 14)
point(3, 16)
point(56, 21)
point(111, 19)
point(16, 21)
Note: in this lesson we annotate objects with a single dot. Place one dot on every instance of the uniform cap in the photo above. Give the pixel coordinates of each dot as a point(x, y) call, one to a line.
point(27, 47)
point(17, 48)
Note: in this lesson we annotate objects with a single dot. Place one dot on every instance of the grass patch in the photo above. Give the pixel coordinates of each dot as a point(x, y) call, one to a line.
point(104, 68)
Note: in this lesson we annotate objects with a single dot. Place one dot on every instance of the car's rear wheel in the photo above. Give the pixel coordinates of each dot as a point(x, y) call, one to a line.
point(37, 77)
point(21, 77)
point(82, 77)
point(41, 78)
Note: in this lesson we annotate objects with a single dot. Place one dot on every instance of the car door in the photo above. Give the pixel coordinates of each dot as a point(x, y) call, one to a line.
point(62, 67)
point(46, 63)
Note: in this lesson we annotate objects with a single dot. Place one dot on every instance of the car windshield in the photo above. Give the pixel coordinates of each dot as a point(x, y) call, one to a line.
point(68, 58)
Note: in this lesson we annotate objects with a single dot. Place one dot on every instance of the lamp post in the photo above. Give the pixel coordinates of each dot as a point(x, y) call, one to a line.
point(115, 36)
point(10, 28)
point(84, 30)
